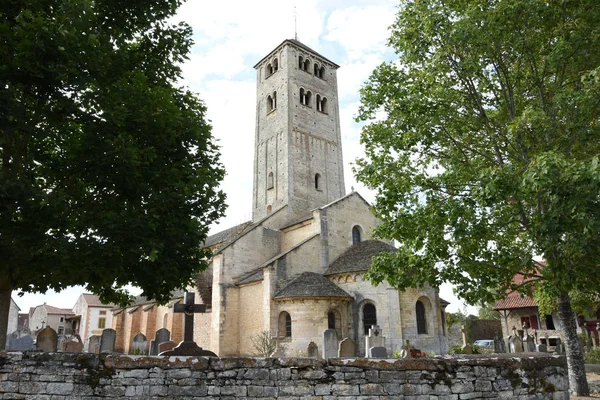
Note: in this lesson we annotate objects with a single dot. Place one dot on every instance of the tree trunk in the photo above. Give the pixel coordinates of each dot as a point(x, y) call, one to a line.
point(5, 293)
point(575, 363)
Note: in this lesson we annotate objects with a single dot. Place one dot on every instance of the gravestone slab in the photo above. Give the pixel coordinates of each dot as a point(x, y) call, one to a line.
point(162, 335)
point(24, 343)
point(73, 347)
point(541, 348)
point(378, 352)
point(139, 344)
point(374, 339)
point(529, 344)
point(347, 348)
point(166, 346)
point(107, 341)
point(312, 350)
point(47, 340)
point(499, 345)
point(94, 344)
point(330, 343)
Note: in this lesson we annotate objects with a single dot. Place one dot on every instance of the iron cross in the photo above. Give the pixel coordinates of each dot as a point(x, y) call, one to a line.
point(189, 309)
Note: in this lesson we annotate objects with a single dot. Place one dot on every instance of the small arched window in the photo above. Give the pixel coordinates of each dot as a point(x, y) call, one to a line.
point(275, 65)
point(330, 320)
point(316, 69)
point(269, 70)
point(285, 324)
point(369, 317)
point(307, 97)
point(269, 103)
point(421, 320)
point(322, 73)
point(270, 181)
point(323, 105)
point(300, 62)
point(269, 209)
point(306, 65)
point(317, 181)
point(356, 235)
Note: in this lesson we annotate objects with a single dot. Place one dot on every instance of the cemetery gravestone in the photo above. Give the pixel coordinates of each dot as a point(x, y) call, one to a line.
point(94, 344)
point(73, 347)
point(162, 335)
point(188, 347)
point(312, 351)
point(107, 341)
point(515, 344)
point(47, 340)
point(166, 346)
point(377, 352)
point(466, 348)
point(529, 344)
point(347, 348)
point(541, 348)
point(24, 343)
point(139, 344)
point(330, 343)
point(374, 339)
point(406, 351)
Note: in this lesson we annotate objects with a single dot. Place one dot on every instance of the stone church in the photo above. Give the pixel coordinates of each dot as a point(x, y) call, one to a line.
point(298, 267)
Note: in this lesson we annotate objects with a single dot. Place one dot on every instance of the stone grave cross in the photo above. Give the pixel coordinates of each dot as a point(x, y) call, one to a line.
point(188, 347)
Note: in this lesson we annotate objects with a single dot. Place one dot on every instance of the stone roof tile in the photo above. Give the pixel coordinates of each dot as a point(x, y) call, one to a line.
point(310, 284)
point(358, 257)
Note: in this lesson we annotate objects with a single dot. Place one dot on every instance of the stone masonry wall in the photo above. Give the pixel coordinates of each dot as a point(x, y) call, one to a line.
point(62, 376)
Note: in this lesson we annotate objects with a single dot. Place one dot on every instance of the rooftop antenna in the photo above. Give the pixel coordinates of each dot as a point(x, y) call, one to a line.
point(295, 25)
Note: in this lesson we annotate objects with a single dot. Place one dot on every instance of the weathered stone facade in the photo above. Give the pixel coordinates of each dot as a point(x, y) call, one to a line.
point(302, 223)
point(62, 376)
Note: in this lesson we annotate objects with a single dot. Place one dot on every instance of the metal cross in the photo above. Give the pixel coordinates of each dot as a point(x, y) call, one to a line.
point(189, 309)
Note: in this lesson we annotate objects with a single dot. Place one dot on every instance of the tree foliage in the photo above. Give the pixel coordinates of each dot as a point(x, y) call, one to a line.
point(482, 141)
point(110, 172)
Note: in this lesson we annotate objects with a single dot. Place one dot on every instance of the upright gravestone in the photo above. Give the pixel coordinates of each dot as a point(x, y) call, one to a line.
point(73, 347)
point(24, 343)
point(47, 340)
point(529, 343)
point(466, 348)
point(374, 339)
point(162, 335)
point(139, 344)
point(515, 344)
point(94, 344)
point(330, 343)
point(107, 341)
point(377, 352)
point(499, 345)
point(312, 350)
point(559, 346)
point(541, 348)
point(347, 348)
point(405, 353)
point(166, 346)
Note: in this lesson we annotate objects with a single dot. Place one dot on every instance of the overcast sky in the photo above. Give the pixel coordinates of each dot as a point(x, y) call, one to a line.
point(230, 37)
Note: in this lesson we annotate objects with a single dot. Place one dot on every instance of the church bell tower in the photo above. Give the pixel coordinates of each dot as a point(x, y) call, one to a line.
point(298, 152)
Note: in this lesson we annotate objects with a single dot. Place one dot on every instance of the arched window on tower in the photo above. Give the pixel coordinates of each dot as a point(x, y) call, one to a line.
point(269, 70)
point(322, 72)
point(421, 320)
point(271, 102)
point(305, 97)
point(285, 324)
point(316, 69)
point(300, 62)
point(306, 65)
point(275, 65)
point(355, 235)
point(369, 317)
point(321, 104)
point(270, 181)
point(317, 181)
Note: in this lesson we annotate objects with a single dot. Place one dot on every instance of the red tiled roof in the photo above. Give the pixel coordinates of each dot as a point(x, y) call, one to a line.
point(514, 302)
point(94, 301)
point(59, 311)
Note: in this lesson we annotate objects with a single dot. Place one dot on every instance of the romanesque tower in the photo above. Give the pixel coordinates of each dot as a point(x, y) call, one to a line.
point(298, 152)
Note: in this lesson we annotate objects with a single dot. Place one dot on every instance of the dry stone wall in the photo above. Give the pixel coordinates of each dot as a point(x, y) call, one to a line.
point(61, 376)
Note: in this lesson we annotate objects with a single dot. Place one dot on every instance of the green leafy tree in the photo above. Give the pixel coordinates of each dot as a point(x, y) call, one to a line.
point(482, 142)
point(486, 312)
point(109, 171)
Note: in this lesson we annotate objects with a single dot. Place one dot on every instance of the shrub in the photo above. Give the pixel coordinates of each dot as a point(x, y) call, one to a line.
point(592, 356)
